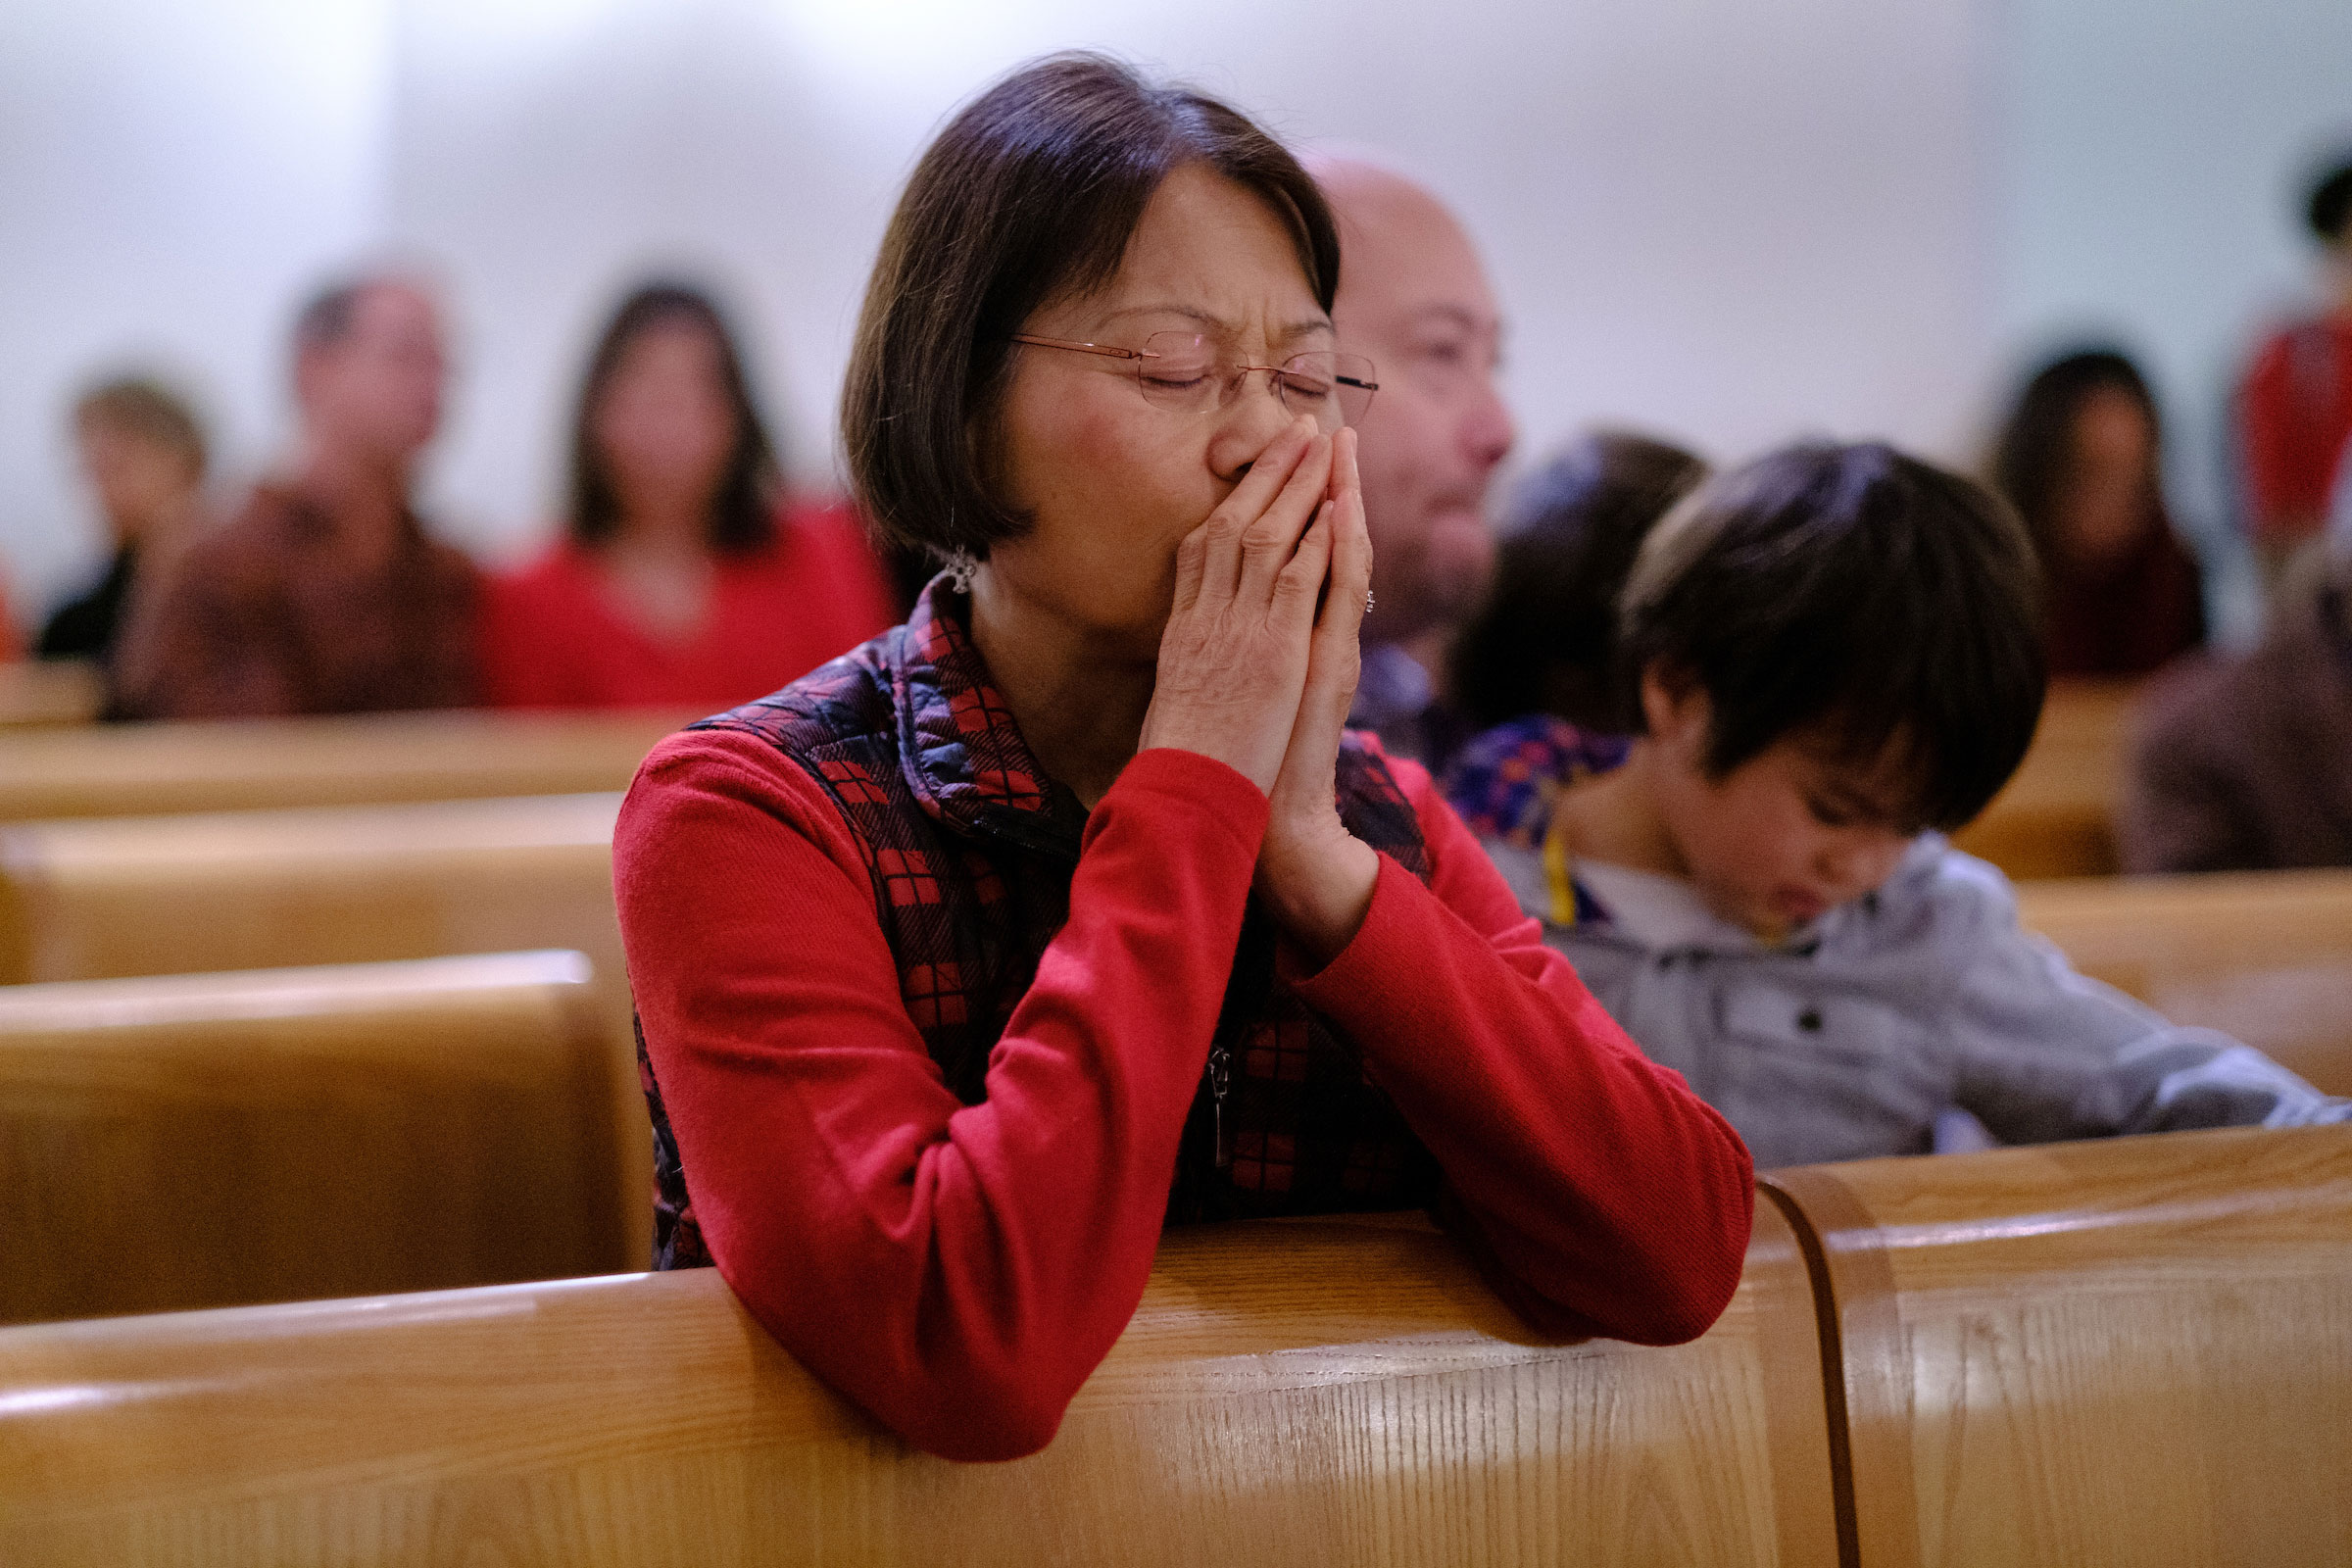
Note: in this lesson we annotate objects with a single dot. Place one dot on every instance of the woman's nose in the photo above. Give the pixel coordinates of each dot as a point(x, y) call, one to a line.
point(1246, 427)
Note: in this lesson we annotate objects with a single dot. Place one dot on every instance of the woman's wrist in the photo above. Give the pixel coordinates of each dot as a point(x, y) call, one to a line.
point(1319, 891)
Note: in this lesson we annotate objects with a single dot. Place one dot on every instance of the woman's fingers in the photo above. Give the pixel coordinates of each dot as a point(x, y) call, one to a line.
point(1271, 538)
point(1300, 581)
point(1268, 476)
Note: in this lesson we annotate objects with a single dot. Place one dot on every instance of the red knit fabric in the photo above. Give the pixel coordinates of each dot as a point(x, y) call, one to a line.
point(553, 636)
point(2294, 417)
point(961, 1270)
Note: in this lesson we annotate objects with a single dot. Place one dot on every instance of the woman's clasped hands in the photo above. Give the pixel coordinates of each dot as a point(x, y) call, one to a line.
point(1259, 666)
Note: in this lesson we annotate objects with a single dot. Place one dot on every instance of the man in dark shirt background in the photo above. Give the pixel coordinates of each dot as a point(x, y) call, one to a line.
point(323, 594)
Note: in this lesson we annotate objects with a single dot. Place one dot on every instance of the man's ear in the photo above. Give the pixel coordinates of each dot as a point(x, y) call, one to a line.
point(1675, 710)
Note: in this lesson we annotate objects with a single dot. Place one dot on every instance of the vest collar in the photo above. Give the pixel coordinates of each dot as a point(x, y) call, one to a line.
point(961, 753)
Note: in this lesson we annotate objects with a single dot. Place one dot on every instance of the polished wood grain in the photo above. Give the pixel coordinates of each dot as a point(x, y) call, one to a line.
point(2123, 1351)
point(2264, 955)
point(38, 693)
point(2055, 817)
point(204, 1140)
point(100, 898)
point(142, 769)
point(1300, 1394)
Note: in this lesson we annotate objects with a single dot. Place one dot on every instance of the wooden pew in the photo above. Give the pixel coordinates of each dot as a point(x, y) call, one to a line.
point(1307, 1393)
point(204, 1139)
point(142, 769)
point(39, 692)
point(237, 890)
point(2265, 955)
point(98, 899)
point(2055, 818)
point(2126, 1351)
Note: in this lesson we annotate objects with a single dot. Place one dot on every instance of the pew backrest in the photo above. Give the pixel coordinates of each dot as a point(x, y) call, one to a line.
point(204, 1140)
point(2122, 1351)
point(104, 898)
point(1303, 1393)
point(233, 765)
point(38, 693)
point(2264, 955)
point(88, 899)
point(2056, 817)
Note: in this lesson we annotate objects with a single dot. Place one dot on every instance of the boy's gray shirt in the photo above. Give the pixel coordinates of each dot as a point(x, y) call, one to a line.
point(1853, 1040)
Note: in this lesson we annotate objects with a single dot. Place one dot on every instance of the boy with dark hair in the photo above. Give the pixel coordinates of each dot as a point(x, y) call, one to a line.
point(1836, 658)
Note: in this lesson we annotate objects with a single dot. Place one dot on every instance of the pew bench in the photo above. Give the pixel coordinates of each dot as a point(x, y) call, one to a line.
point(105, 898)
point(42, 692)
point(1307, 1393)
point(2265, 955)
point(2131, 1350)
point(252, 765)
point(204, 1139)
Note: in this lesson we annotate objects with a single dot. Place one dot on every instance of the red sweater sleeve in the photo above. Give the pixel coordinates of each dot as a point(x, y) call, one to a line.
point(957, 1270)
point(1594, 1178)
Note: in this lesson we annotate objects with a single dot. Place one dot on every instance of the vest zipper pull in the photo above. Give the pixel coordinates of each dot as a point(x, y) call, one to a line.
point(1220, 1077)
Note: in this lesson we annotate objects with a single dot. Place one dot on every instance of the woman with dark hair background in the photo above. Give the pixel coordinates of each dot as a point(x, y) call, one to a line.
point(1068, 908)
point(684, 580)
point(1533, 668)
point(2081, 459)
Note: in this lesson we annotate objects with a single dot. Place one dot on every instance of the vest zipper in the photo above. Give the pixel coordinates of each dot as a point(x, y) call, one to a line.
point(1220, 1078)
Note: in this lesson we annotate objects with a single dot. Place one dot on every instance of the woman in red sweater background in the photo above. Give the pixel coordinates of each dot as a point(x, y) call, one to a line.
point(684, 580)
point(1068, 908)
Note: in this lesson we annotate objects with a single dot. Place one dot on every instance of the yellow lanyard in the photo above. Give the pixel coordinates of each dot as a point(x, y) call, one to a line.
point(1557, 880)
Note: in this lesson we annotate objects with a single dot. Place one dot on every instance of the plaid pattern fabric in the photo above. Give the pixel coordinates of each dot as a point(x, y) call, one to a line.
point(971, 849)
point(1503, 782)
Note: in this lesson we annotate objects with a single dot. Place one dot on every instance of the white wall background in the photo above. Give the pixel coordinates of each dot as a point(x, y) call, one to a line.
point(171, 176)
point(1730, 222)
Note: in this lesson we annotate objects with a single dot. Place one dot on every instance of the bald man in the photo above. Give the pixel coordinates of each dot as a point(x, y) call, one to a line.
point(1414, 297)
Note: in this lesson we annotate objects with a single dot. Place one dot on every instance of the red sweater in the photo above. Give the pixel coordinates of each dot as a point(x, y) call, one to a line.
point(2294, 418)
point(961, 1270)
point(553, 635)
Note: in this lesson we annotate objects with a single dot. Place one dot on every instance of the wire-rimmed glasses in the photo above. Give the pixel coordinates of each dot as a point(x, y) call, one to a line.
point(1182, 372)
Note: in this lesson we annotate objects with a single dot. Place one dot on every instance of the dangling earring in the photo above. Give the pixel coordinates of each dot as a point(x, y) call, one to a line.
point(961, 566)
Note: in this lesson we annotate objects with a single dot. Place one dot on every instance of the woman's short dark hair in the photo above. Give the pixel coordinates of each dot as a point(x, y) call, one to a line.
point(1875, 604)
point(1030, 194)
point(742, 508)
point(1543, 640)
point(2036, 447)
point(2331, 205)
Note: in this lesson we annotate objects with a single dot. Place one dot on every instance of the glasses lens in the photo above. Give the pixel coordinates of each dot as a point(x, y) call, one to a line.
point(1332, 389)
point(1178, 370)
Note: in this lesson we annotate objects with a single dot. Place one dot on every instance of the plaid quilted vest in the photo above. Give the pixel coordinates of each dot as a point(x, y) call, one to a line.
point(971, 849)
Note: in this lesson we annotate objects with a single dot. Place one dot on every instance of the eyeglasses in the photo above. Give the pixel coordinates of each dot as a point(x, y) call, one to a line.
point(1180, 370)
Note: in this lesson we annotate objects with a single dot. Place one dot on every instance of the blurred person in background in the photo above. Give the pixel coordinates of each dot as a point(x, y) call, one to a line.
point(2247, 765)
point(2081, 459)
point(325, 594)
point(683, 577)
point(1414, 298)
point(2294, 407)
point(143, 454)
point(1532, 670)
